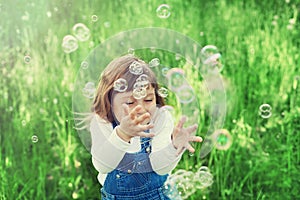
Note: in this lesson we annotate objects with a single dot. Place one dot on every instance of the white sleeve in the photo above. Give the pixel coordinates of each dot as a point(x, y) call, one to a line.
point(107, 148)
point(163, 156)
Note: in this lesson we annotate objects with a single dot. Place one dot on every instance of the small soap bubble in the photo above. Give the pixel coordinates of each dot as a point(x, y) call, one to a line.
point(69, 44)
point(89, 90)
point(141, 81)
point(164, 71)
point(143, 78)
point(81, 32)
point(94, 18)
point(175, 77)
point(34, 139)
point(136, 68)
point(84, 65)
point(203, 178)
point(120, 85)
point(130, 51)
point(139, 93)
point(265, 111)
point(154, 62)
point(185, 94)
point(222, 138)
point(27, 59)
point(163, 11)
point(163, 92)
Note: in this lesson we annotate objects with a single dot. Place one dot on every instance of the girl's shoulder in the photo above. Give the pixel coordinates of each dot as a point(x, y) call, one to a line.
point(97, 119)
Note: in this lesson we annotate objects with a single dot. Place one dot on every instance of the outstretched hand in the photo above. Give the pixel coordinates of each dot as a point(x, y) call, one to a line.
point(183, 136)
point(132, 124)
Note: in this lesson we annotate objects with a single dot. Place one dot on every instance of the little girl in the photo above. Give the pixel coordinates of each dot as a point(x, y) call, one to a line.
point(134, 143)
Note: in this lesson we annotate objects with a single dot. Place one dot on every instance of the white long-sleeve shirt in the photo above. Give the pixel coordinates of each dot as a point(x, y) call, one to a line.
point(108, 148)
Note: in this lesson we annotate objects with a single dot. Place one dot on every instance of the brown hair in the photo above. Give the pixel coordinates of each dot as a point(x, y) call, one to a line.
point(119, 68)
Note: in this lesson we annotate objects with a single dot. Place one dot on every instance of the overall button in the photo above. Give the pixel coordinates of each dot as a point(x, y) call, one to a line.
point(129, 171)
point(118, 176)
point(148, 149)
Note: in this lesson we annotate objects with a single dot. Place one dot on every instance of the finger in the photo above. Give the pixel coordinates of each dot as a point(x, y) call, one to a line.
point(142, 119)
point(195, 139)
point(179, 150)
point(147, 135)
point(136, 109)
point(181, 122)
point(134, 112)
point(190, 148)
point(192, 128)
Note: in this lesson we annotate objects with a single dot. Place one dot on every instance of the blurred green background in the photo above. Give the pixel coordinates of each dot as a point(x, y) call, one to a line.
point(41, 154)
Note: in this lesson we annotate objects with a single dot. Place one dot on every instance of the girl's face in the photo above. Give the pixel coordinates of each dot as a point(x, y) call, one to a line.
point(147, 103)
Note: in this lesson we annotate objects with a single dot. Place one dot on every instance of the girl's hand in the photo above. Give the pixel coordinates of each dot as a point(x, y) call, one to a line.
point(134, 124)
point(182, 137)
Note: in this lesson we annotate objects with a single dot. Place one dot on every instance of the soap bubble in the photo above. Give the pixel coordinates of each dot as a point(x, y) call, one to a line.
point(142, 80)
point(27, 59)
point(222, 138)
point(136, 68)
point(81, 32)
point(84, 65)
point(94, 18)
point(265, 111)
point(176, 79)
point(211, 58)
point(182, 184)
point(34, 139)
point(154, 62)
point(120, 85)
point(164, 71)
point(139, 92)
point(163, 92)
point(69, 44)
point(89, 90)
point(163, 11)
point(203, 179)
point(185, 94)
point(131, 51)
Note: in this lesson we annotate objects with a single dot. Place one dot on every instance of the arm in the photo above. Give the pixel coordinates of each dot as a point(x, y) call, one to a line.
point(163, 157)
point(108, 148)
point(170, 143)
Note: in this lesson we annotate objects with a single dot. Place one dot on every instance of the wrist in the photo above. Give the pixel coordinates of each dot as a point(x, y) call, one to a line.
point(123, 135)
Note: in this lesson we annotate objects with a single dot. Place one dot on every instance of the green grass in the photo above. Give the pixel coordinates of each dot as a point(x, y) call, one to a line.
point(261, 64)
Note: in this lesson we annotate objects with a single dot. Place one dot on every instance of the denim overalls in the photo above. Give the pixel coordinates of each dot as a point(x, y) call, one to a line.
point(134, 178)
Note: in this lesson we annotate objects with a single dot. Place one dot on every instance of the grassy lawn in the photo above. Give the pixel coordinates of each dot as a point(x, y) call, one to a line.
point(42, 156)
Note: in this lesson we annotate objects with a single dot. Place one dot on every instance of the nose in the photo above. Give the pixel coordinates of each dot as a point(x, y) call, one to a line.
point(143, 108)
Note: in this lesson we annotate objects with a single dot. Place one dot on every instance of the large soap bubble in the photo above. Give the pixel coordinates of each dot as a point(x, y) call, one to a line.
point(174, 79)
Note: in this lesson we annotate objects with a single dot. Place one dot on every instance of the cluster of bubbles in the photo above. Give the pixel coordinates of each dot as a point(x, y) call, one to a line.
point(163, 11)
point(265, 111)
point(178, 84)
point(222, 138)
point(211, 58)
point(89, 90)
point(183, 183)
point(81, 33)
point(141, 83)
